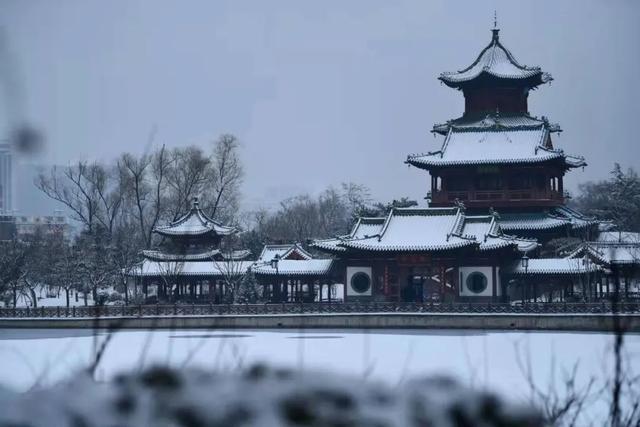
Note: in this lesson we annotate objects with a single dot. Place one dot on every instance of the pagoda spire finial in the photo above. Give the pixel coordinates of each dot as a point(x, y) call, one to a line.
point(495, 30)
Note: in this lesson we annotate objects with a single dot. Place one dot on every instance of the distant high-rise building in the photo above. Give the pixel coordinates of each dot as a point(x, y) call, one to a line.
point(6, 179)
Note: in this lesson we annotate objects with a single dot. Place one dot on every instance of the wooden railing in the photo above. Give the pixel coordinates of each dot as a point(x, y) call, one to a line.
point(314, 308)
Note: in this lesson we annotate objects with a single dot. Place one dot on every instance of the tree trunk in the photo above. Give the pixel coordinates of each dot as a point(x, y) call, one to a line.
point(34, 297)
point(66, 294)
point(126, 291)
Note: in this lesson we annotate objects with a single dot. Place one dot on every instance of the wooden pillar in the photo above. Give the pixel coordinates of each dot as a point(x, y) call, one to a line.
point(494, 284)
point(626, 287)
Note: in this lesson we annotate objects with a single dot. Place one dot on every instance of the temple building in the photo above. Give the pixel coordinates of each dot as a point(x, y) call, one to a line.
point(498, 156)
point(289, 273)
point(425, 254)
point(191, 264)
point(496, 196)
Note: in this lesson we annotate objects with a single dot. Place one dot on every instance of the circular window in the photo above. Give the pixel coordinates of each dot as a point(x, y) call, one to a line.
point(360, 282)
point(476, 282)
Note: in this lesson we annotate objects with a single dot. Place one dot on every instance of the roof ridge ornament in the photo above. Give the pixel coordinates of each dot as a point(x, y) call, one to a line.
point(495, 30)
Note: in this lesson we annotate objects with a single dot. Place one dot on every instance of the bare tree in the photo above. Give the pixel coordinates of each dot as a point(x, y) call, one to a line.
point(13, 259)
point(227, 174)
point(72, 187)
point(233, 272)
point(170, 272)
point(189, 172)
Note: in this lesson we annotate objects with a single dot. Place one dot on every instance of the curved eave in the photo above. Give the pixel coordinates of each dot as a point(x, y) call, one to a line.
point(212, 231)
point(530, 79)
point(434, 161)
point(328, 246)
point(459, 126)
point(363, 246)
point(532, 226)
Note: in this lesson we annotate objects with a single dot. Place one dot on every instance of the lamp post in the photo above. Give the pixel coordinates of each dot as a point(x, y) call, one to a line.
point(525, 264)
point(274, 264)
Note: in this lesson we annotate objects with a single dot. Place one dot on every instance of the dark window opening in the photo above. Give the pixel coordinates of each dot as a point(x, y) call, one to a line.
point(360, 282)
point(476, 282)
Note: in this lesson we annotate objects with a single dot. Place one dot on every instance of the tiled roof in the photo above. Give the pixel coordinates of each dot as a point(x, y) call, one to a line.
point(269, 252)
point(554, 218)
point(366, 227)
point(496, 61)
point(202, 256)
point(150, 268)
point(330, 245)
point(194, 223)
point(431, 229)
point(618, 237)
point(553, 266)
point(291, 267)
point(496, 121)
point(494, 147)
point(610, 253)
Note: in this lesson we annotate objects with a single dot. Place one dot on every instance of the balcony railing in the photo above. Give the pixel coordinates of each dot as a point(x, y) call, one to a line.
point(445, 196)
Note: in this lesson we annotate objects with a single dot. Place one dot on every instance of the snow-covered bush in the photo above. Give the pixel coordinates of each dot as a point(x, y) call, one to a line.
point(259, 396)
point(115, 296)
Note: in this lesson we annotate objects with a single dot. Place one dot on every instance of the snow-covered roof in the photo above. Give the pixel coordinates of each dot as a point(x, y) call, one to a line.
point(496, 121)
point(149, 268)
point(194, 223)
point(283, 251)
point(431, 229)
point(291, 267)
point(547, 220)
point(609, 253)
point(201, 256)
point(554, 266)
point(364, 227)
point(495, 146)
point(497, 62)
point(618, 237)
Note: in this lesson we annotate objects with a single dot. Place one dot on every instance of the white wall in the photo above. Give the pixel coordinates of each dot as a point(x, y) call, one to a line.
point(488, 272)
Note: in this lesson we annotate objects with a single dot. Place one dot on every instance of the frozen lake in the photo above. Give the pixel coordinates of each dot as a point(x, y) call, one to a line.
point(478, 358)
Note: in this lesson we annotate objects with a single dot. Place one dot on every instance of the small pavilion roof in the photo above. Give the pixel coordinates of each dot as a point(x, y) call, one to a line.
point(496, 121)
point(610, 253)
point(495, 61)
point(150, 268)
point(553, 266)
point(545, 220)
point(283, 252)
point(491, 147)
point(194, 223)
point(430, 229)
point(209, 255)
point(294, 267)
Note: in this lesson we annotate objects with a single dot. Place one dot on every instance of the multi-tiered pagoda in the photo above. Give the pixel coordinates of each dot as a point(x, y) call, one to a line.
point(496, 194)
point(498, 156)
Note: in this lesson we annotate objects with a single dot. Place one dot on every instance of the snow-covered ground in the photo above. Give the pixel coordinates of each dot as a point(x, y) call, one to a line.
point(54, 299)
point(477, 358)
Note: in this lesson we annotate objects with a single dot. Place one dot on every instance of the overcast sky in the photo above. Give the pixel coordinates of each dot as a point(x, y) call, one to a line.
point(318, 92)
